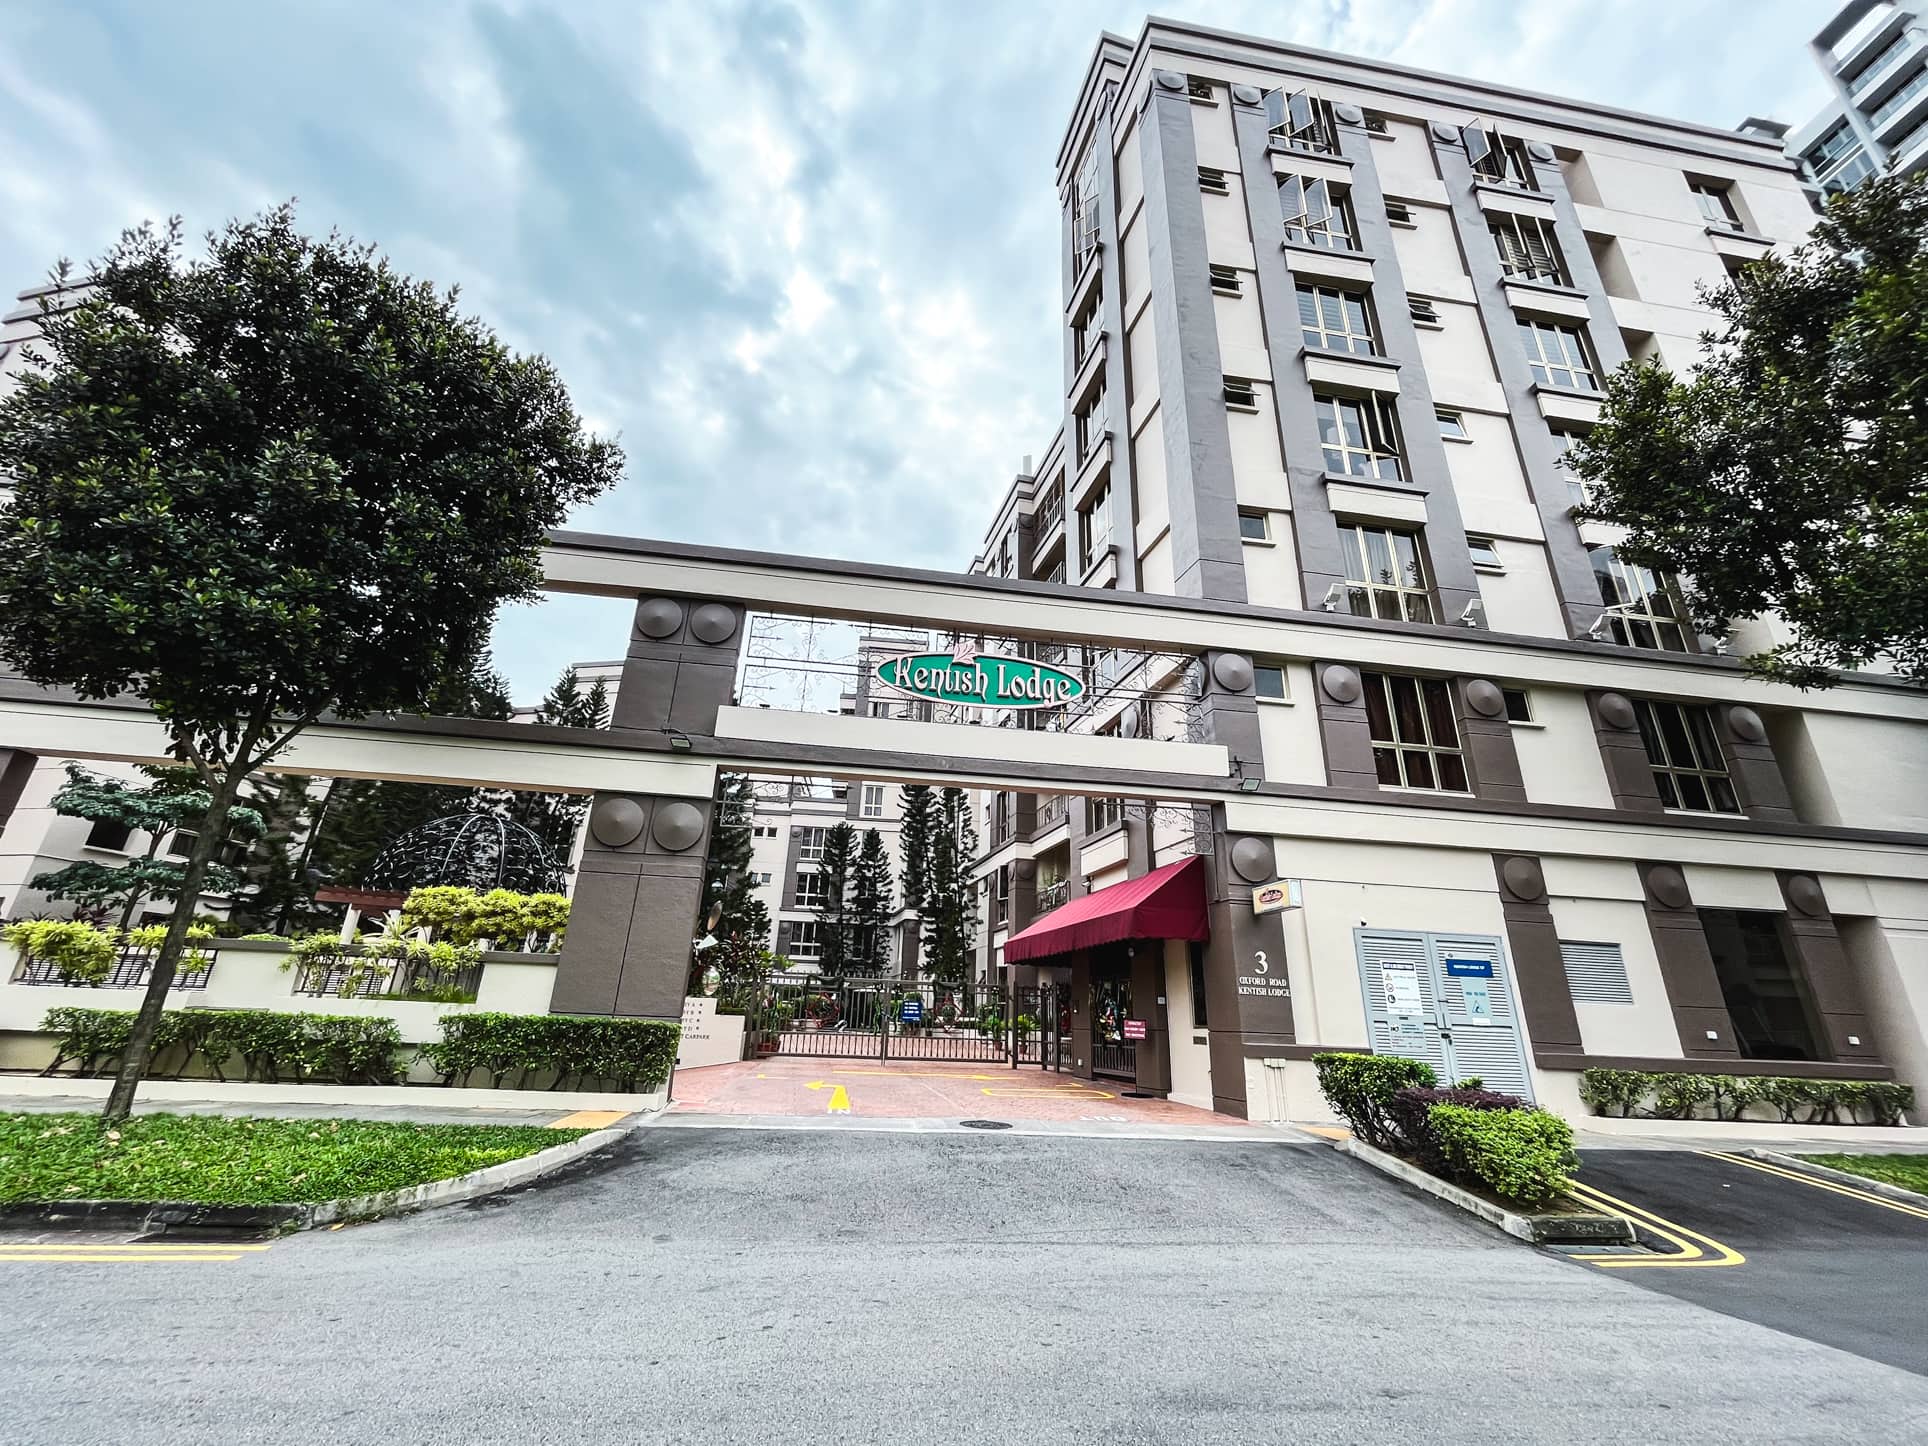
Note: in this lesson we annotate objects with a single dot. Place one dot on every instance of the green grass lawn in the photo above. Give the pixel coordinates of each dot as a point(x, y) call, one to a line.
point(1908, 1171)
point(212, 1160)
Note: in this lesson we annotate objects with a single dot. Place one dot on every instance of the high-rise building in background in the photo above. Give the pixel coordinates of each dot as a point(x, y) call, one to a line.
point(1875, 56)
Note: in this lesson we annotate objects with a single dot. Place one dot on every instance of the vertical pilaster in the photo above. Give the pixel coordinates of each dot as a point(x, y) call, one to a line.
point(1833, 984)
point(1486, 738)
point(1756, 774)
point(1686, 965)
point(1343, 726)
point(1247, 986)
point(1546, 1000)
point(1630, 774)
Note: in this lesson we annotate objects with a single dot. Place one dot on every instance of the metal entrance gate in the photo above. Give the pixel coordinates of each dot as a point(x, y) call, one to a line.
point(848, 1018)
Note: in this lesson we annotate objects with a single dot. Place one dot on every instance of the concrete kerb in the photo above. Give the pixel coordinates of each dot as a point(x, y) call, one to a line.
point(1897, 1193)
point(1534, 1229)
point(163, 1215)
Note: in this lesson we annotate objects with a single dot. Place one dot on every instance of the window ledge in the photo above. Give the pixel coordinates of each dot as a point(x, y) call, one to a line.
point(1428, 792)
point(1249, 408)
point(1259, 541)
point(1524, 723)
point(1456, 441)
point(1386, 484)
point(1276, 702)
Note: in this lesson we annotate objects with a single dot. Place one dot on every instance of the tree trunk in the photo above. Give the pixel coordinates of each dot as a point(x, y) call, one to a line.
point(134, 899)
point(140, 1041)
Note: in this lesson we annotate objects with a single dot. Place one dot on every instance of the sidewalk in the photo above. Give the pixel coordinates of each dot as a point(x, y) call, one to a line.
point(427, 1113)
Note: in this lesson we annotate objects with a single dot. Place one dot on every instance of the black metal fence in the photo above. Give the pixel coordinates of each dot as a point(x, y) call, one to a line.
point(875, 1018)
point(351, 976)
point(131, 970)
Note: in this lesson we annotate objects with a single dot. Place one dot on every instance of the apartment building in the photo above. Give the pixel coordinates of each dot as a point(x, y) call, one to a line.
point(1330, 325)
point(1875, 57)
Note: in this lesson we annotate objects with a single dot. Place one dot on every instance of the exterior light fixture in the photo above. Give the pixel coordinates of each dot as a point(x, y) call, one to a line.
point(1335, 595)
point(679, 741)
point(1249, 785)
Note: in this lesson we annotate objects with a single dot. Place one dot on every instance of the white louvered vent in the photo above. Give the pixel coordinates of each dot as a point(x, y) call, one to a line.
point(1596, 973)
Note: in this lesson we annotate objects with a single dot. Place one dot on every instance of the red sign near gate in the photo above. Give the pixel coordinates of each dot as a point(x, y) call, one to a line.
point(1134, 1029)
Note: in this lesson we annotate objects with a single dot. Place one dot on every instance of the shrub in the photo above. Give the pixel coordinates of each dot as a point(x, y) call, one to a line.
point(1410, 1114)
point(502, 916)
point(150, 936)
point(627, 1054)
point(1888, 1101)
point(1519, 1155)
point(1613, 1091)
point(1676, 1095)
point(273, 1045)
point(1360, 1088)
point(79, 952)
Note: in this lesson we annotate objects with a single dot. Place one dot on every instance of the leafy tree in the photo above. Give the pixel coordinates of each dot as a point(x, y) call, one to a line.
point(556, 818)
point(950, 906)
point(870, 906)
point(277, 481)
point(275, 891)
point(1786, 474)
point(726, 869)
point(172, 799)
point(914, 841)
point(836, 873)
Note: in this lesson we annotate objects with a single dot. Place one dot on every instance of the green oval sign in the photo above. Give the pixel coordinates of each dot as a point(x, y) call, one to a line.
point(985, 681)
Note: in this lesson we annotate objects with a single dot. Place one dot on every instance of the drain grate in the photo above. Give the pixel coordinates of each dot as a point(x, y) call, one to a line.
point(986, 1124)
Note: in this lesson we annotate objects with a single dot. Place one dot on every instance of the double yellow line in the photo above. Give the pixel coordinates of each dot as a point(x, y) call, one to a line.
point(1833, 1187)
point(1691, 1248)
point(139, 1253)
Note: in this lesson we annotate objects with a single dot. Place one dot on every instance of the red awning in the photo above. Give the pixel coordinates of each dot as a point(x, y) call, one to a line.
point(1167, 903)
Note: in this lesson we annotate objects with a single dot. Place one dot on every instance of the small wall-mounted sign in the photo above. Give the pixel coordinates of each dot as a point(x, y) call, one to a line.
point(984, 681)
point(1134, 1029)
point(913, 1011)
point(1271, 898)
point(1469, 968)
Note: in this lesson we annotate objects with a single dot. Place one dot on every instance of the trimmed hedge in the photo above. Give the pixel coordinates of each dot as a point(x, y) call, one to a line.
point(1360, 1088)
point(630, 1055)
point(1642, 1094)
point(273, 1047)
point(1411, 1113)
point(1521, 1155)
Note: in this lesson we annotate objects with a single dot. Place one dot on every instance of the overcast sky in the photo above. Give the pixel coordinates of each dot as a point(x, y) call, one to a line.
point(801, 255)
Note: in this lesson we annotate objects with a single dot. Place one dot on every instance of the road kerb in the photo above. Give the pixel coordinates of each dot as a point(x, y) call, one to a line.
point(1534, 1229)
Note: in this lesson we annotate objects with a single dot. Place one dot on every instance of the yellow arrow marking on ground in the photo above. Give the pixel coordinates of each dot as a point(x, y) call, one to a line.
point(839, 1098)
point(1689, 1241)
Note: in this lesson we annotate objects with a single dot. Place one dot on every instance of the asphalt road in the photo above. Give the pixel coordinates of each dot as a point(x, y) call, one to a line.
point(1819, 1263)
point(749, 1286)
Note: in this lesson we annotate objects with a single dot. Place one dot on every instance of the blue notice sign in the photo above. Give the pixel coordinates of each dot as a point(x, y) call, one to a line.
point(913, 1011)
point(1469, 968)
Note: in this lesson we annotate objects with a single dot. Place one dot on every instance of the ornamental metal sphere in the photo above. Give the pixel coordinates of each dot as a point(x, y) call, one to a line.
point(469, 850)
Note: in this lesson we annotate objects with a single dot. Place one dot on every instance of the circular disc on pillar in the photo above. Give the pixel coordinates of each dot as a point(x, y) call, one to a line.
point(1444, 131)
point(1246, 94)
point(1804, 892)
point(712, 623)
point(1169, 79)
point(1232, 671)
point(616, 822)
point(1669, 885)
point(1348, 115)
point(1340, 682)
point(678, 825)
point(1523, 879)
point(1026, 869)
point(659, 617)
point(1253, 860)
point(1485, 698)
point(1746, 725)
point(1615, 711)
point(1539, 150)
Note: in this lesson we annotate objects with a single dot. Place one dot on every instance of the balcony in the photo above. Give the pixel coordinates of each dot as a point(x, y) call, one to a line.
point(1053, 894)
point(1050, 514)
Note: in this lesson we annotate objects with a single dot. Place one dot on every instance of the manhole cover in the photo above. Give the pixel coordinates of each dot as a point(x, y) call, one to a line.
point(986, 1124)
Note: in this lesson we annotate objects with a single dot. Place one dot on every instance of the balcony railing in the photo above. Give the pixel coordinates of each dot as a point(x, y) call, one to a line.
point(1050, 813)
point(350, 976)
point(131, 970)
point(1050, 510)
point(1053, 894)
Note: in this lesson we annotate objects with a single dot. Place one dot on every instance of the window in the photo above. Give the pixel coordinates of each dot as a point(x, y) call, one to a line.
point(1894, 104)
point(810, 845)
point(1085, 331)
point(1423, 312)
point(1838, 161)
point(1643, 610)
point(1766, 992)
point(230, 854)
point(1091, 423)
point(1084, 211)
point(811, 893)
point(1094, 527)
point(1001, 897)
point(1688, 767)
point(1226, 281)
point(1485, 553)
point(1557, 356)
point(1527, 249)
point(1500, 160)
point(763, 830)
point(1452, 426)
point(1240, 394)
point(106, 834)
point(1199, 1018)
point(1376, 123)
point(1316, 214)
point(1596, 973)
point(872, 805)
point(1384, 574)
point(1334, 320)
point(1200, 89)
point(1519, 705)
point(762, 881)
point(1415, 742)
point(1254, 527)
point(1302, 121)
point(1102, 813)
point(805, 942)
point(1268, 682)
point(1212, 181)
point(1400, 214)
point(1359, 436)
point(1716, 205)
point(1880, 58)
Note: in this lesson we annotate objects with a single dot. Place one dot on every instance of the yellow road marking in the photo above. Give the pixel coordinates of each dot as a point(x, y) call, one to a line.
point(1833, 1187)
point(1688, 1242)
point(144, 1247)
point(125, 1259)
point(1330, 1132)
point(839, 1097)
point(588, 1120)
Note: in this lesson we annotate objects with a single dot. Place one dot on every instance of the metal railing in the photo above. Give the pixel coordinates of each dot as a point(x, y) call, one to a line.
point(359, 976)
point(131, 970)
point(1050, 813)
point(1050, 896)
point(1051, 509)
